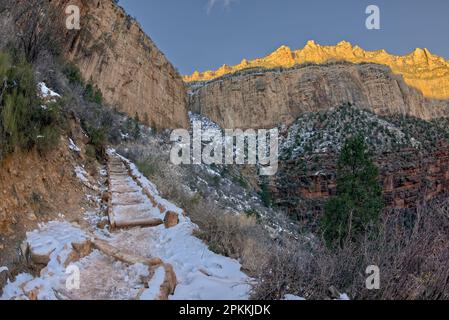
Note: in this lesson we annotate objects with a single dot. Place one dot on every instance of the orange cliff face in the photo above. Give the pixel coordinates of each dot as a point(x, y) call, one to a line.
point(421, 69)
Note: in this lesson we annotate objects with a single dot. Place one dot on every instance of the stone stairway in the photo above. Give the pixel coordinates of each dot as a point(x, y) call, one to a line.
point(102, 258)
point(128, 206)
point(131, 205)
point(148, 253)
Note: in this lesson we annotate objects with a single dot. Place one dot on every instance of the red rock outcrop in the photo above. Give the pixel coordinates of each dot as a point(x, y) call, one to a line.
point(407, 176)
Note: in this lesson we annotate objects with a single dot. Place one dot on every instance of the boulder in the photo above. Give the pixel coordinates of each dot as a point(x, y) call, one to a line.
point(171, 219)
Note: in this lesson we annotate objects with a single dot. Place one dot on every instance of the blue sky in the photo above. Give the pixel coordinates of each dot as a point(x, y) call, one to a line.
point(204, 34)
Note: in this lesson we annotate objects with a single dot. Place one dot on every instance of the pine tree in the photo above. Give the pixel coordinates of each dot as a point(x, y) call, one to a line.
point(136, 130)
point(358, 203)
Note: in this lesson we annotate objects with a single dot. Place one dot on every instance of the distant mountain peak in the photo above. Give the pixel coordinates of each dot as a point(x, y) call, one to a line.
point(421, 69)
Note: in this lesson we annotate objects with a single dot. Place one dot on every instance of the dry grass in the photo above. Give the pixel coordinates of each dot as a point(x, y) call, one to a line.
point(412, 257)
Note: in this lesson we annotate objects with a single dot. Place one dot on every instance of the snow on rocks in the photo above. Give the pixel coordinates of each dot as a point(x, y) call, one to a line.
point(344, 297)
point(101, 276)
point(46, 92)
point(51, 246)
point(73, 146)
point(152, 293)
point(83, 177)
point(15, 290)
point(81, 174)
point(53, 237)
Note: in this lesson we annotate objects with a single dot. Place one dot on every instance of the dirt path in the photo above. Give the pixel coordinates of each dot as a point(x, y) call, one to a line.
point(147, 252)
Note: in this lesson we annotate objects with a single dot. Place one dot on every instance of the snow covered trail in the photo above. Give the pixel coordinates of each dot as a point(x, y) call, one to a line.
point(149, 254)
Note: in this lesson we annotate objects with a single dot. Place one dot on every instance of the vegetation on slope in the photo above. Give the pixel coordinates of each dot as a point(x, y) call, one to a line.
point(25, 122)
point(327, 131)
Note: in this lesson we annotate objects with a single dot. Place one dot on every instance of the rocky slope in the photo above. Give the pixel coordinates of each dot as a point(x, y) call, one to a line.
point(113, 52)
point(410, 153)
point(421, 69)
point(265, 98)
point(35, 188)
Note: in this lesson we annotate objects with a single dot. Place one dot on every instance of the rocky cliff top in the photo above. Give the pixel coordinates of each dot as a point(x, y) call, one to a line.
point(421, 69)
point(256, 98)
point(114, 53)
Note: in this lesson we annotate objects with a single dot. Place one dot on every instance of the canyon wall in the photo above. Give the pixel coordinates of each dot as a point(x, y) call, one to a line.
point(421, 69)
point(113, 52)
point(260, 98)
point(407, 177)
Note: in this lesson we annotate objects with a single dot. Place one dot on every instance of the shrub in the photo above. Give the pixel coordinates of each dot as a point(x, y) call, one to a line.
point(73, 74)
point(136, 129)
point(36, 22)
point(97, 141)
point(265, 194)
point(93, 94)
point(91, 152)
point(24, 123)
point(240, 181)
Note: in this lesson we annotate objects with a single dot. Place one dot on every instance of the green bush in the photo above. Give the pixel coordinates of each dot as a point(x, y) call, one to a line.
point(136, 130)
point(93, 94)
point(265, 195)
point(98, 141)
point(24, 123)
point(73, 74)
point(240, 181)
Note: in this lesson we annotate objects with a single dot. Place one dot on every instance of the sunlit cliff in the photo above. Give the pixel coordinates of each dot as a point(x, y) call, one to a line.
point(421, 69)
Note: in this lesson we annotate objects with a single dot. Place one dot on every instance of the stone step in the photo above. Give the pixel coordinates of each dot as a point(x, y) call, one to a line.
point(123, 189)
point(121, 199)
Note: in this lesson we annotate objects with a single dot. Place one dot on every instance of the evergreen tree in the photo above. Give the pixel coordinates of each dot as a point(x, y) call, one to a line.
point(136, 129)
point(358, 203)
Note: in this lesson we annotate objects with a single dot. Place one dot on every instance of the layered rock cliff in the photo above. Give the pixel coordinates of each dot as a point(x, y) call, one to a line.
point(408, 177)
point(421, 69)
point(258, 98)
point(113, 52)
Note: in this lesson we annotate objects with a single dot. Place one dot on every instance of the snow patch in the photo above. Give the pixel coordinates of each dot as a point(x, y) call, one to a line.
point(73, 146)
point(344, 296)
point(55, 238)
point(81, 174)
point(46, 92)
point(154, 285)
point(291, 297)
